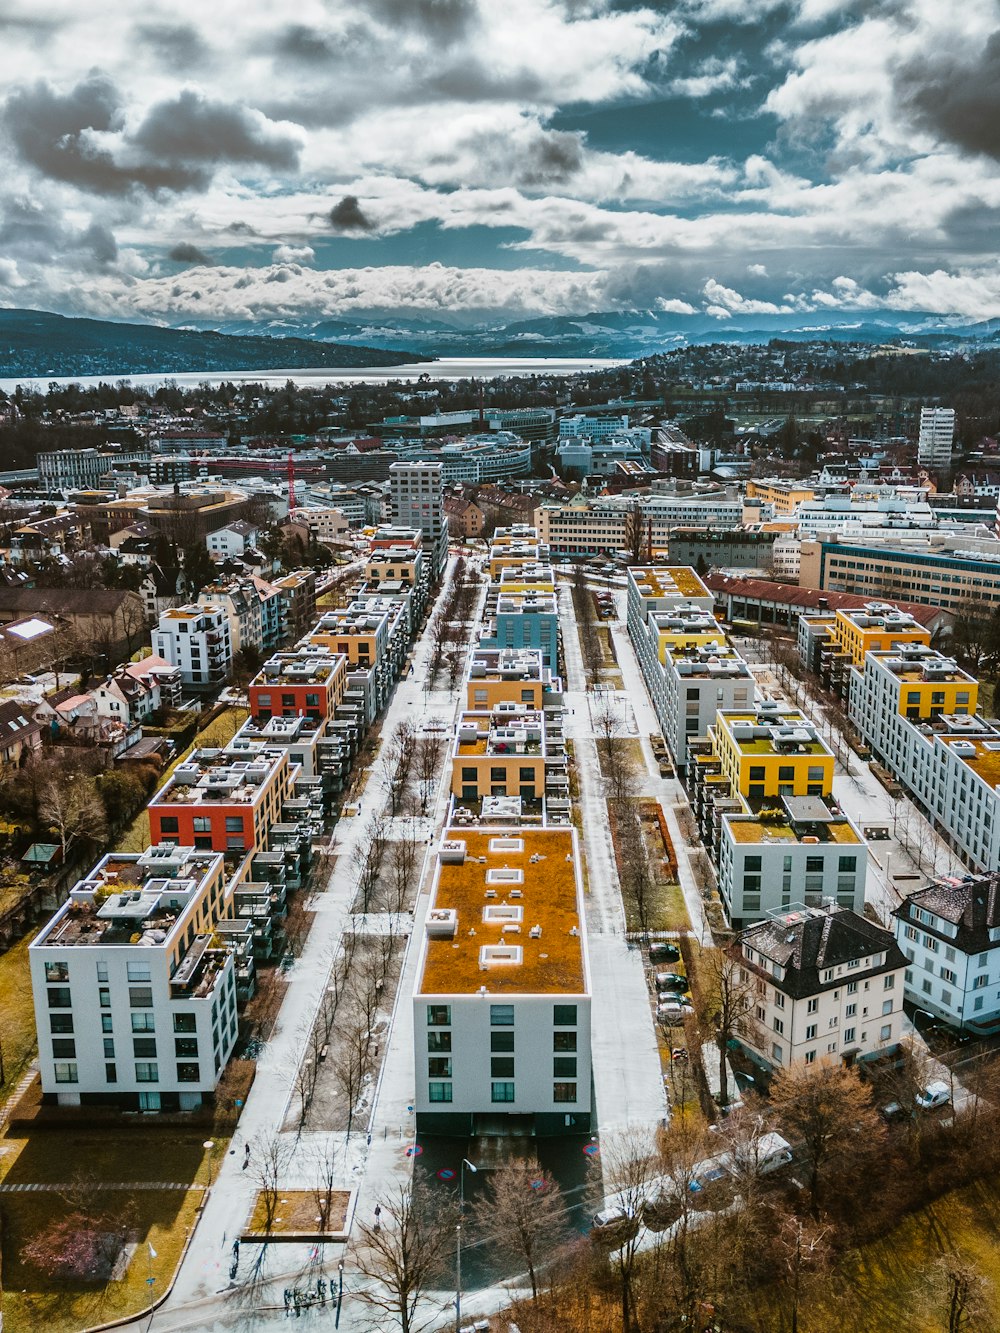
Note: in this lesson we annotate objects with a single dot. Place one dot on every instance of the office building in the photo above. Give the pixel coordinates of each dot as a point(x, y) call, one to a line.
point(417, 495)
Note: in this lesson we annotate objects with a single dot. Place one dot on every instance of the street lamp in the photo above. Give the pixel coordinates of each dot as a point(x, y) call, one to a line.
point(208, 1145)
point(458, 1239)
point(340, 1292)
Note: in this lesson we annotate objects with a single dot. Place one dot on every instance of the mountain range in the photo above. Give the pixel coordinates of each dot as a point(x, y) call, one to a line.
point(37, 343)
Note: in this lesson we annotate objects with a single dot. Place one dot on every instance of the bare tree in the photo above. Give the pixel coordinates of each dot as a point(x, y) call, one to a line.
point(268, 1159)
point(966, 1290)
point(728, 1001)
point(73, 811)
point(430, 752)
point(352, 1065)
point(524, 1214)
point(397, 762)
point(803, 1248)
point(634, 539)
point(324, 1181)
point(829, 1110)
point(630, 1163)
point(404, 1254)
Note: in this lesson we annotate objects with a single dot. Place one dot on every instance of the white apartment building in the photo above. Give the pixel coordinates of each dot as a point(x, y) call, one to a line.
point(233, 540)
point(197, 640)
point(502, 1001)
point(691, 685)
point(417, 495)
point(829, 987)
point(950, 934)
point(937, 435)
point(797, 849)
point(663, 588)
point(592, 428)
point(135, 1003)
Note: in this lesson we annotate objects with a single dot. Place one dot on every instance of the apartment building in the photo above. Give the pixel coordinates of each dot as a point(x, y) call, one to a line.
point(829, 988)
point(691, 685)
point(135, 1002)
point(830, 643)
point(198, 641)
point(782, 497)
point(771, 751)
point(950, 934)
point(799, 849)
point(502, 1001)
point(501, 752)
point(511, 676)
point(417, 494)
point(663, 588)
point(297, 591)
point(523, 620)
point(374, 642)
point(242, 604)
point(299, 683)
point(937, 437)
point(223, 801)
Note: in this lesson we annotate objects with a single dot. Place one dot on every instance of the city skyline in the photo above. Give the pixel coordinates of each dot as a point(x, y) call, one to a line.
point(469, 161)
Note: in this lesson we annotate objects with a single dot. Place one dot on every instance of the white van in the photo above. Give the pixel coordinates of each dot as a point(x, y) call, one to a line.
point(934, 1095)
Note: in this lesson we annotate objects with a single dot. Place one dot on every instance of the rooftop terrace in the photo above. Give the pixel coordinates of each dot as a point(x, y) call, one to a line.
point(668, 581)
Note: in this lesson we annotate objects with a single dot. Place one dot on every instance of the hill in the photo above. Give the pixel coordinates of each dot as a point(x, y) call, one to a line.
point(36, 343)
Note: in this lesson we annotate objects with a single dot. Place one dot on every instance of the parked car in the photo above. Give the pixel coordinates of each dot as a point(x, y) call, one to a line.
point(662, 952)
point(673, 1012)
point(935, 1094)
point(893, 1111)
point(671, 981)
point(614, 1224)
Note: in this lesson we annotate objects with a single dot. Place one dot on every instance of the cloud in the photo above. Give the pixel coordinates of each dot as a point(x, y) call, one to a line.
point(186, 253)
point(173, 43)
point(293, 254)
point(439, 20)
point(347, 215)
point(728, 301)
point(956, 97)
point(192, 128)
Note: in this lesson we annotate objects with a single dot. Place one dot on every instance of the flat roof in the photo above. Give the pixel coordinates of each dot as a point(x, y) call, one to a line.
point(542, 888)
point(985, 762)
point(668, 581)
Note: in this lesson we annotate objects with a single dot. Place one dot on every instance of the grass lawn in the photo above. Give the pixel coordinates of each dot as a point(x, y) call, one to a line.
point(17, 1014)
point(298, 1212)
point(896, 1282)
point(35, 1300)
point(987, 697)
point(220, 731)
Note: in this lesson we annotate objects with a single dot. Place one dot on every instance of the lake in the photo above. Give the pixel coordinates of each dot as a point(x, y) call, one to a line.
point(446, 368)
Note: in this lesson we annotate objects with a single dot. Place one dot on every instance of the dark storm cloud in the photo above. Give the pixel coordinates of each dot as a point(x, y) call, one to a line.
point(186, 253)
point(29, 231)
point(552, 159)
point(54, 132)
point(242, 229)
point(347, 215)
point(958, 100)
point(442, 20)
point(298, 41)
point(191, 128)
point(173, 43)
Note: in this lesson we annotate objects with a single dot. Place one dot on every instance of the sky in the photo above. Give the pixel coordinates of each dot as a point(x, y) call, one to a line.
point(482, 160)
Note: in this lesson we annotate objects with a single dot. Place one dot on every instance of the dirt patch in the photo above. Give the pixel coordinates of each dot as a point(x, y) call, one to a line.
point(300, 1214)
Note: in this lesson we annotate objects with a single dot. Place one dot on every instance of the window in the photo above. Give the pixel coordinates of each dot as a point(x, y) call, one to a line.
point(779, 1000)
point(439, 1092)
point(138, 971)
point(140, 997)
point(502, 1015)
point(63, 1048)
point(439, 1041)
point(501, 1092)
point(812, 1006)
point(468, 774)
point(59, 997)
point(144, 1046)
point(810, 1057)
point(564, 1092)
point(886, 1007)
point(814, 865)
point(104, 997)
point(564, 1015)
point(438, 1015)
point(60, 1023)
point(948, 975)
point(65, 1073)
point(439, 1066)
point(168, 824)
point(185, 1047)
point(143, 1023)
point(852, 988)
point(564, 1066)
point(187, 1073)
point(831, 1047)
point(501, 1041)
point(109, 1048)
point(811, 1032)
point(977, 984)
point(846, 863)
point(564, 1041)
point(57, 971)
point(147, 1071)
point(851, 1010)
point(107, 1023)
point(776, 1053)
point(848, 1034)
point(202, 824)
point(111, 1073)
point(889, 981)
point(184, 1023)
point(502, 1066)
point(886, 1032)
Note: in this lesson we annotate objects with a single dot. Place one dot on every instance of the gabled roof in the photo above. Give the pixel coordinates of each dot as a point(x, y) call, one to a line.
point(15, 724)
point(809, 599)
